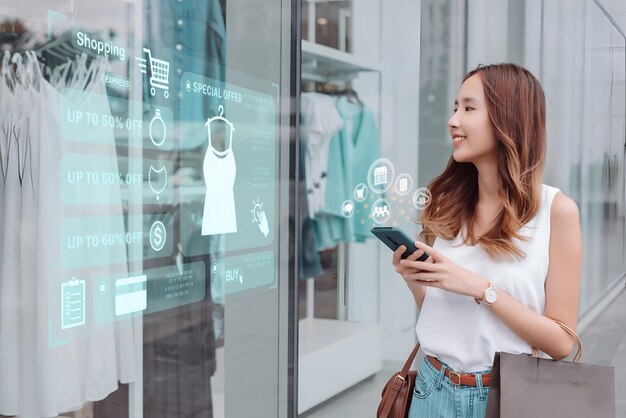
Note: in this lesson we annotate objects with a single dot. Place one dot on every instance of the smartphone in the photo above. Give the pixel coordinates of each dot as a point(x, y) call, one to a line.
point(393, 238)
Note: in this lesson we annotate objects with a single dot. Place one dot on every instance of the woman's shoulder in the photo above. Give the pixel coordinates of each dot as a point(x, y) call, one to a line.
point(563, 208)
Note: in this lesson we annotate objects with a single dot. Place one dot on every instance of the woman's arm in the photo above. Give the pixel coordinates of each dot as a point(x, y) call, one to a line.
point(417, 289)
point(419, 292)
point(562, 287)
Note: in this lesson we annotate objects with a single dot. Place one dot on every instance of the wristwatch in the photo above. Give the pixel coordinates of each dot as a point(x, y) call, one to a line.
point(490, 296)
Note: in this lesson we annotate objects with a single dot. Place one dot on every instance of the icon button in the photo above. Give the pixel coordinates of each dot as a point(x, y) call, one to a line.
point(381, 211)
point(72, 303)
point(157, 130)
point(158, 236)
point(422, 198)
point(360, 192)
point(347, 208)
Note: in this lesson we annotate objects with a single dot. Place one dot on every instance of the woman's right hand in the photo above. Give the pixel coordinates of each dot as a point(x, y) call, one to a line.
point(404, 271)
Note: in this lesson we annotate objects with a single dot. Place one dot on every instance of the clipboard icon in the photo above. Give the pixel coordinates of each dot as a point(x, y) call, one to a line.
point(72, 303)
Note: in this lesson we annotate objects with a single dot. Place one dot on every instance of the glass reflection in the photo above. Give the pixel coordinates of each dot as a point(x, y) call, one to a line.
point(92, 269)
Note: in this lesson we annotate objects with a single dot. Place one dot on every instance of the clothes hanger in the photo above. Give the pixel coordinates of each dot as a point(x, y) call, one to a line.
point(5, 126)
point(59, 75)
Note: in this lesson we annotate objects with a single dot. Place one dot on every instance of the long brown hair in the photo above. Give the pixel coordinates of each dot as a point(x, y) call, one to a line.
point(517, 111)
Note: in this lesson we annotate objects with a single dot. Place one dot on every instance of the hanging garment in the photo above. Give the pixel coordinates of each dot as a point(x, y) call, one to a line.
point(191, 36)
point(220, 171)
point(42, 375)
point(351, 153)
point(362, 133)
point(10, 279)
point(320, 121)
point(117, 338)
point(309, 263)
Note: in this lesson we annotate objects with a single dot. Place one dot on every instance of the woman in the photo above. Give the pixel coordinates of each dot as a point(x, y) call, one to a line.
point(505, 249)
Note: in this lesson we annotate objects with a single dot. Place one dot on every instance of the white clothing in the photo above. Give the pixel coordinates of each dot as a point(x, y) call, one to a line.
point(320, 122)
point(220, 216)
point(466, 335)
point(44, 372)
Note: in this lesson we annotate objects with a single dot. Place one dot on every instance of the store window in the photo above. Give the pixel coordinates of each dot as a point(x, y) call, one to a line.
point(143, 148)
point(404, 63)
point(358, 159)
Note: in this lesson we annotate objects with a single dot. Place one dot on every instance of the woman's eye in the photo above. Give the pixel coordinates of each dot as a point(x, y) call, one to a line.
point(467, 108)
point(454, 110)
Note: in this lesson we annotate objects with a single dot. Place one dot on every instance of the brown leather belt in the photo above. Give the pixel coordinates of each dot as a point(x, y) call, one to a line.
point(468, 379)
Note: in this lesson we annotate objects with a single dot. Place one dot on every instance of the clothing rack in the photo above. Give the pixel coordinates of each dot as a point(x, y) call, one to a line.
point(336, 84)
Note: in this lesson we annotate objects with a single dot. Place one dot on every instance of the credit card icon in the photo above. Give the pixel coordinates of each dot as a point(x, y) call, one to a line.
point(131, 295)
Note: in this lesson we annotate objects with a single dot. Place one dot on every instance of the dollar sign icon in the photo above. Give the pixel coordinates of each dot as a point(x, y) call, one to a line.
point(157, 236)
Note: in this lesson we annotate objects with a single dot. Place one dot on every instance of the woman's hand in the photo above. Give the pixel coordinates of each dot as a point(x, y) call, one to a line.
point(407, 271)
point(441, 273)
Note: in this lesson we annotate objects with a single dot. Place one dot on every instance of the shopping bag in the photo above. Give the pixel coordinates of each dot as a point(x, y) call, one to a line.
point(524, 386)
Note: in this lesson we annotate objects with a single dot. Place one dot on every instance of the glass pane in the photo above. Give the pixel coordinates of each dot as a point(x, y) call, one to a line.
point(141, 153)
point(328, 23)
point(592, 172)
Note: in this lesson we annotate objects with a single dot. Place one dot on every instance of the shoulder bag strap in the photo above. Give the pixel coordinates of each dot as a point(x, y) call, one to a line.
point(400, 379)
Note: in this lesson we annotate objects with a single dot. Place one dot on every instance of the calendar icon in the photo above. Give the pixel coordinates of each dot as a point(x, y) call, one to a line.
point(72, 303)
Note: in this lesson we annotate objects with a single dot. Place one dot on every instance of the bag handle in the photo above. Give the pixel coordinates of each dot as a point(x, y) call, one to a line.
point(575, 337)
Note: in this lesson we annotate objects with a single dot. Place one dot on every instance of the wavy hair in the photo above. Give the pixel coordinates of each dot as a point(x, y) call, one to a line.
point(517, 111)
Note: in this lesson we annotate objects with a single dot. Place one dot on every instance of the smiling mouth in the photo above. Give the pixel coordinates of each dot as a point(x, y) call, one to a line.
point(458, 139)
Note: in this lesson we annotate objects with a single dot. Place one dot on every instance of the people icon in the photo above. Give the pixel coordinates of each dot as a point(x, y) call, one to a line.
point(381, 211)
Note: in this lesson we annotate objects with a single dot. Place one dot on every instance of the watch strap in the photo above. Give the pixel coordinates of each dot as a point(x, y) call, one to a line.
point(479, 301)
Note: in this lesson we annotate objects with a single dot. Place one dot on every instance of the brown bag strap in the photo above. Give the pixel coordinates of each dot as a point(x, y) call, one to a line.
point(399, 380)
point(575, 337)
point(409, 361)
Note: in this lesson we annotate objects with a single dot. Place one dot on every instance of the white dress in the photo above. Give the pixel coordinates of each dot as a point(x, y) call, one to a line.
point(219, 216)
point(9, 264)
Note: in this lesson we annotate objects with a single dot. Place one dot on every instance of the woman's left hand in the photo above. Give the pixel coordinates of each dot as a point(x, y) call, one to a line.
point(446, 274)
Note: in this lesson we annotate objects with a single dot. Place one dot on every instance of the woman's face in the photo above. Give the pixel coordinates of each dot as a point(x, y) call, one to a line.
point(469, 126)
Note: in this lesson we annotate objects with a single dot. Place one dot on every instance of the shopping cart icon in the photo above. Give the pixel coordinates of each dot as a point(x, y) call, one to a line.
point(158, 70)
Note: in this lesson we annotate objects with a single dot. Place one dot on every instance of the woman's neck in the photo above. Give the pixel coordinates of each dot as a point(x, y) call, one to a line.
point(488, 183)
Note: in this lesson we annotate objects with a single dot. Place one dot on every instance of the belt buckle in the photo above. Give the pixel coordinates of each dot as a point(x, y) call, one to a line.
point(455, 374)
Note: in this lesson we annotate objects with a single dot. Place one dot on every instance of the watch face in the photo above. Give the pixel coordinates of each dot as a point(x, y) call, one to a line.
point(491, 295)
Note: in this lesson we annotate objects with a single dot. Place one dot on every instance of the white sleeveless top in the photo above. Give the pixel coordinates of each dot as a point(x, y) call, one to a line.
point(466, 335)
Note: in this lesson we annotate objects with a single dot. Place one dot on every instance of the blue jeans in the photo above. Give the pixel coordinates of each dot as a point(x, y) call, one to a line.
point(435, 396)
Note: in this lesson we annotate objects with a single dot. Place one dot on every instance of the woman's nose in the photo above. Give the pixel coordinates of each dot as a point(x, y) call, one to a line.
point(453, 122)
